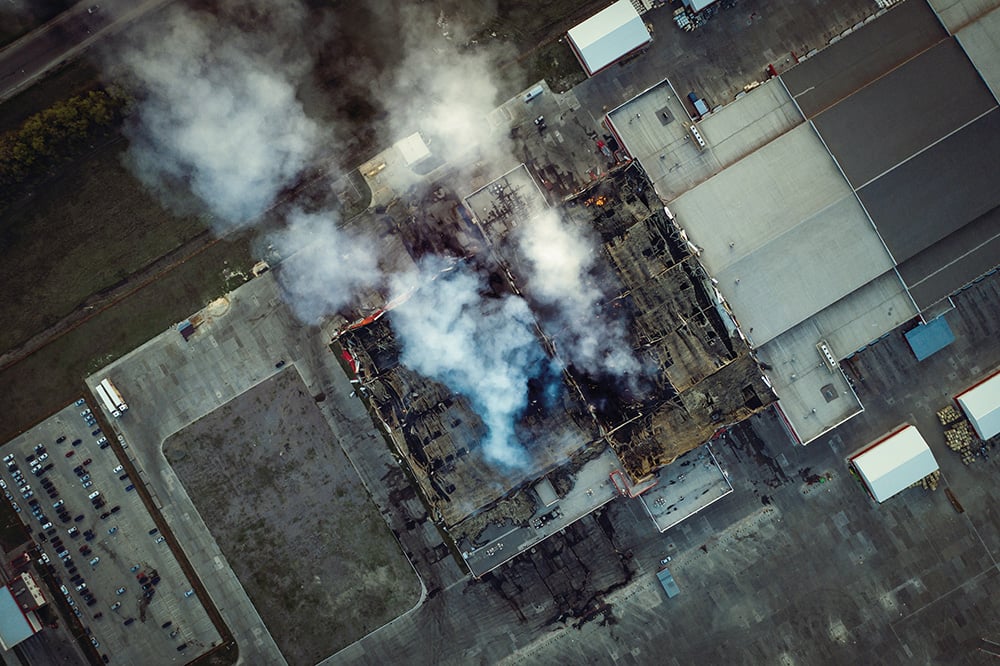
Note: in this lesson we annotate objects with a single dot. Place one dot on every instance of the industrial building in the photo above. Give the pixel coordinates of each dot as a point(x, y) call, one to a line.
point(846, 197)
point(893, 463)
point(18, 602)
point(599, 440)
point(609, 36)
point(981, 404)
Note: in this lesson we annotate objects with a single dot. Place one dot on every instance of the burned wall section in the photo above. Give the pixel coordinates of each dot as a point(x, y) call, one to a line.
point(706, 377)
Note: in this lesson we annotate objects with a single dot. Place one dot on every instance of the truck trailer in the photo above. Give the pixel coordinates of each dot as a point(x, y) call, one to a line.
point(107, 401)
point(115, 396)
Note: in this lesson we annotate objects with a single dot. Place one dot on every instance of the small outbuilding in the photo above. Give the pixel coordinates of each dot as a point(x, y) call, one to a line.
point(609, 36)
point(894, 462)
point(981, 405)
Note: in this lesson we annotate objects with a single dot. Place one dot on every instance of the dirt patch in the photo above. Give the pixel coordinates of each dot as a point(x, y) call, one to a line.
point(293, 518)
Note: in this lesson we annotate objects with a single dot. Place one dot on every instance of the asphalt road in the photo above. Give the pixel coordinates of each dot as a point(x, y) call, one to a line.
point(62, 38)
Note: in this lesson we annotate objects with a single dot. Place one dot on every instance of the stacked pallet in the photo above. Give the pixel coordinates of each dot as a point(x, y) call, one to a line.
point(949, 415)
point(960, 437)
point(929, 482)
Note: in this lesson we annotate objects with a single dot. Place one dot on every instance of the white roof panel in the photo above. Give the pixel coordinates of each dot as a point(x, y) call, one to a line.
point(895, 463)
point(413, 149)
point(609, 35)
point(981, 404)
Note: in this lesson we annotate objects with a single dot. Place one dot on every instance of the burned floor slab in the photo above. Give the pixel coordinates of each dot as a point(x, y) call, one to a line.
point(439, 433)
point(670, 428)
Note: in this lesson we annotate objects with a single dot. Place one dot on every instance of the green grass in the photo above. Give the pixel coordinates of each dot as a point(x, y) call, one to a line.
point(554, 62)
point(12, 530)
point(52, 377)
point(93, 228)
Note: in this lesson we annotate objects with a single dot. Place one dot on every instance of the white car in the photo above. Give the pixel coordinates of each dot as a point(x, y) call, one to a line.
point(3, 484)
point(120, 591)
point(93, 494)
point(116, 470)
point(94, 561)
point(7, 458)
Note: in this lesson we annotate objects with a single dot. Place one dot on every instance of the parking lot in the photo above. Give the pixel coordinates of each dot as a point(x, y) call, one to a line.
point(113, 567)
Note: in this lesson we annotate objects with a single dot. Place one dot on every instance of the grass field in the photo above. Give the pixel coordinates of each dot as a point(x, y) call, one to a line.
point(53, 376)
point(93, 227)
point(293, 519)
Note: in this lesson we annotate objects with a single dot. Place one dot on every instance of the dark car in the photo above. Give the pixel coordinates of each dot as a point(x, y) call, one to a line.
point(91, 601)
point(105, 445)
point(153, 531)
point(129, 621)
point(129, 488)
point(115, 509)
point(77, 442)
point(78, 519)
point(99, 503)
point(105, 515)
point(166, 624)
point(48, 467)
point(96, 432)
point(182, 647)
point(123, 477)
point(61, 439)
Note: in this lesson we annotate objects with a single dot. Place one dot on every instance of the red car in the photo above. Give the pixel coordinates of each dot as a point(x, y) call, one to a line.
point(87, 461)
point(70, 453)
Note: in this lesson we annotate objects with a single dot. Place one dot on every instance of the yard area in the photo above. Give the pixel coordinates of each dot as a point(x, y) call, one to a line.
point(293, 519)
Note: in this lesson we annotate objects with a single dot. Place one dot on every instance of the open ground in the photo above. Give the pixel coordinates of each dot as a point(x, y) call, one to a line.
point(293, 519)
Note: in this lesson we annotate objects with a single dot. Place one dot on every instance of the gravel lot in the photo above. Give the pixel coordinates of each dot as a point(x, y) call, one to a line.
point(294, 520)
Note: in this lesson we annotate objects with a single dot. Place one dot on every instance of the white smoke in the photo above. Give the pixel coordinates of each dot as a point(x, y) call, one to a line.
point(563, 276)
point(482, 347)
point(324, 266)
point(448, 94)
point(217, 112)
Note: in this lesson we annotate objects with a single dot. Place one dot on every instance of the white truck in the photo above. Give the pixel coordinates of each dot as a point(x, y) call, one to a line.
point(107, 401)
point(115, 395)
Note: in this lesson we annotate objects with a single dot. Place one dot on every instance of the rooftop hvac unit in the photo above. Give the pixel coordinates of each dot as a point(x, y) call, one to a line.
point(828, 359)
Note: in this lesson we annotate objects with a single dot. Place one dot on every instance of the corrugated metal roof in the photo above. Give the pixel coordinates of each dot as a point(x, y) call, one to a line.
point(981, 404)
point(895, 463)
point(928, 339)
point(609, 35)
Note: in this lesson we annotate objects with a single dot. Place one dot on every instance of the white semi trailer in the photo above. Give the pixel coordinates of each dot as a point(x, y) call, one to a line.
point(107, 401)
point(115, 395)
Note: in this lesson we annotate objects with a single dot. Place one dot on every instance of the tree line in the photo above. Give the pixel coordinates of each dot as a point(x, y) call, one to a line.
point(56, 135)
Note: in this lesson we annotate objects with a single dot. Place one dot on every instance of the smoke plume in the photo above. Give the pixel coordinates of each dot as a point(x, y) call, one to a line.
point(325, 267)
point(217, 111)
point(448, 93)
point(565, 277)
point(482, 347)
